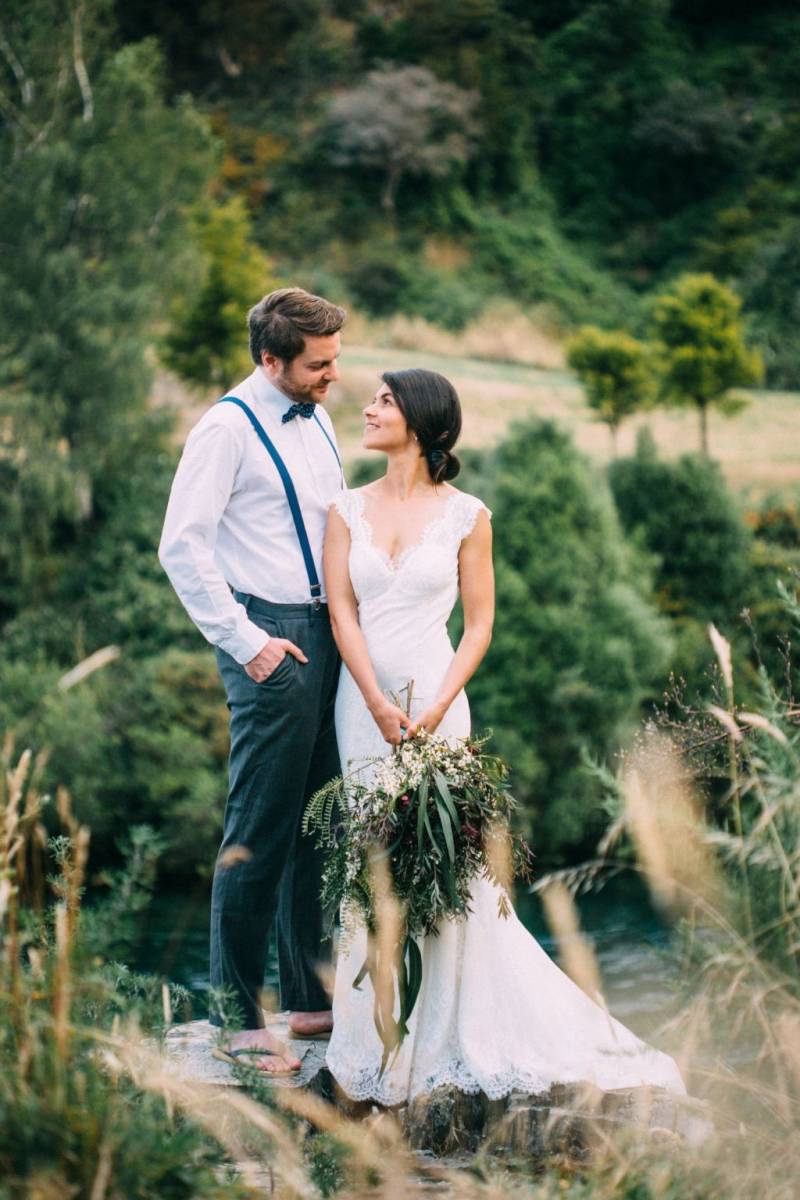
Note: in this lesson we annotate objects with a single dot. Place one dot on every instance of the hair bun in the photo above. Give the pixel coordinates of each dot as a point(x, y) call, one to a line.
point(443, 464)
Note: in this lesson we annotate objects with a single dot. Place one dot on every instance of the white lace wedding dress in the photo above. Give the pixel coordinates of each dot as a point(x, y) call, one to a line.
point(494, 1014)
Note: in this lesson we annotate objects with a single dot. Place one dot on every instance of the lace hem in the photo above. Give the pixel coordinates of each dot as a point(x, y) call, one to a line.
point(368, 1085)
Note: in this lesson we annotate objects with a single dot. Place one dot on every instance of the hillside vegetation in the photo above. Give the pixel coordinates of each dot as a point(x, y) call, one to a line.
point(574, 154)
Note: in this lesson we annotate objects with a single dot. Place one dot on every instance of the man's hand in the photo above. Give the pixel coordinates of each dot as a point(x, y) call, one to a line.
point(391, 721)
point(275, 651)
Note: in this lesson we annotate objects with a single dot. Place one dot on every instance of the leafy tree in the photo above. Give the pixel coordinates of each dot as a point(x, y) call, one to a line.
point(488, 47)
point(700, 347)
point(97, 171)
point(685, 515)
point(403, 121)
point(615, 370)
point(602, 71)
point(685, 131)
point(206, 344)
point(577, 645)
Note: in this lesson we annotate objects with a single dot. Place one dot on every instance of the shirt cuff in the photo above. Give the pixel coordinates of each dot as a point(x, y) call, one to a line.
point(246, 643)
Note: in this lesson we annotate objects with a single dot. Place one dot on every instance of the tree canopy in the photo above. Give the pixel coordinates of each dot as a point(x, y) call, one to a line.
point(615, 370)
point(701, 349)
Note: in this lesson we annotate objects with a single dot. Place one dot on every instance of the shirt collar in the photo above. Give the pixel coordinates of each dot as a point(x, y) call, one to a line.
point(265, 389)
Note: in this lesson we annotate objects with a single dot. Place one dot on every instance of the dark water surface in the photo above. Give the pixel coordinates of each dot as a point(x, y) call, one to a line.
point(631, 943)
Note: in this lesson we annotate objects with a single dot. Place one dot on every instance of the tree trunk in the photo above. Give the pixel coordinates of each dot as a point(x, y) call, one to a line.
point(703, 428)
point(612, 429)
point(393, 174)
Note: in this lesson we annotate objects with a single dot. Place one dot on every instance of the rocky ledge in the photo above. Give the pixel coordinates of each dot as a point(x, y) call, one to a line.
point(568, 1120)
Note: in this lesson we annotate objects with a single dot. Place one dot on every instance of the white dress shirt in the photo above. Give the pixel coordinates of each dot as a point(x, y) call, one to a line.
point(228, 522)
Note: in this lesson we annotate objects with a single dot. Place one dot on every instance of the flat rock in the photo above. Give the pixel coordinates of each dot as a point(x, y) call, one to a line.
point(567, 1120)
point(190, 1045)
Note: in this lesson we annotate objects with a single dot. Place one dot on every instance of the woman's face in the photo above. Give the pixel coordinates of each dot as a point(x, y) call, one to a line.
point(385, 426)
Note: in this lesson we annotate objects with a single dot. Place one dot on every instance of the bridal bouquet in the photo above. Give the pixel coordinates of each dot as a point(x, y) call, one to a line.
point(433, 818)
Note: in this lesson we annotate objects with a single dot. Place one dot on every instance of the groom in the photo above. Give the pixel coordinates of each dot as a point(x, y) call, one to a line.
point(242, 546)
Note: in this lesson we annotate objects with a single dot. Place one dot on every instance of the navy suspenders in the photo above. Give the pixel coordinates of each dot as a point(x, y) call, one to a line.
point(291, 494)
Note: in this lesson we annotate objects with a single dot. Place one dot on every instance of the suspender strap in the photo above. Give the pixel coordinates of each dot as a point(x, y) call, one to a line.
point(291, 494)
point(330, 443)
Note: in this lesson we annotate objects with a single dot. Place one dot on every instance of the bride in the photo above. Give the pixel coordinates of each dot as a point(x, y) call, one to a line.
point(494, 1014)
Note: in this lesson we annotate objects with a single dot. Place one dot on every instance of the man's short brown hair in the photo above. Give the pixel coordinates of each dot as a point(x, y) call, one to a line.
point(281, 321)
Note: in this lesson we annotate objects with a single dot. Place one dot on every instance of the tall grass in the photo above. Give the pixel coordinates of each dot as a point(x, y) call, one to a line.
point(707, 808)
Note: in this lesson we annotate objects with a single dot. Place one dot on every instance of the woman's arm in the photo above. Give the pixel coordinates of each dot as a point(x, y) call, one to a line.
point(476, 576)
point(390, 719)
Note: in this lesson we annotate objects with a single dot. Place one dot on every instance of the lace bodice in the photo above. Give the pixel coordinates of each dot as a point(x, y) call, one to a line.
point(404, 602)
point(425, 566)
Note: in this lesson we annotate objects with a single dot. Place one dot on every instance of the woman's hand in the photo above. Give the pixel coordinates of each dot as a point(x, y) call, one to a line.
point(429, 720)
point(391, 720)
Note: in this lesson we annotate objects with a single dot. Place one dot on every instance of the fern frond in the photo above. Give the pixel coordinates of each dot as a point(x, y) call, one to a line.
point(319, 810)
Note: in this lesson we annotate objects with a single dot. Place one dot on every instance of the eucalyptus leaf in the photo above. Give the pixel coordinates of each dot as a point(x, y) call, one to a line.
point(444, 820)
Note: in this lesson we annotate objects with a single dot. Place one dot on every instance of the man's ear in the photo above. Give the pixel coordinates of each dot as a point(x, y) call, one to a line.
point(270, 361)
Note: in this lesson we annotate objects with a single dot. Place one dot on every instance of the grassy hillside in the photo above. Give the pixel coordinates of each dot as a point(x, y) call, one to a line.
point(757, 449)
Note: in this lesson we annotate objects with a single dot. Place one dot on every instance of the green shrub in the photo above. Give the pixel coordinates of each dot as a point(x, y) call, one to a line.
point(776, 520)
point(577, 646)
point(386, 278)
point(523, 253)
point(685, 514)
point(143, 740)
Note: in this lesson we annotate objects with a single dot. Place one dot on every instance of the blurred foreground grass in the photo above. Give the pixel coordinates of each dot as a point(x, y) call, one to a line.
point(89, 1107)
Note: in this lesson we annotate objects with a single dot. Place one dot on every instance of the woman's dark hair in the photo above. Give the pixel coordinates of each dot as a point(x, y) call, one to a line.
point(432, 410)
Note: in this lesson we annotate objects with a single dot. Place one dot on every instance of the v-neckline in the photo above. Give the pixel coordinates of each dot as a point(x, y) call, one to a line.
point(395, 561)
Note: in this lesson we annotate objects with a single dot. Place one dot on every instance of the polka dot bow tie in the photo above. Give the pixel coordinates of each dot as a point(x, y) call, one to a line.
point(305, 410)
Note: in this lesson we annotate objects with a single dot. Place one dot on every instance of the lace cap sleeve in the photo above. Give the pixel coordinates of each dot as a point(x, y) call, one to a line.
point(344, 506)
point(469, 508)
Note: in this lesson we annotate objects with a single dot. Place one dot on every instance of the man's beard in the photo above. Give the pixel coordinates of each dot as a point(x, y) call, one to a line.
point(297, 393)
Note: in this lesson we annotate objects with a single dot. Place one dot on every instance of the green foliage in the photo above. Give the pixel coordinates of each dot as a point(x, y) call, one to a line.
point(755, 816)
point(521, 250)
point(777, 521)
point(207, 343)
point(147, 737)
point(700, 347)
point(384, 278)
point(602, 70)
point(615, 370)
point(624, 141)
point(403, 121)
point(327, 1162)
point(70, 1114)
point(97, 170)
point(685, 515)
point(576, 646)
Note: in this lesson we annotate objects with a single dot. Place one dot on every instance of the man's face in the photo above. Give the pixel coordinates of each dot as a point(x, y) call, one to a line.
point(309, 376)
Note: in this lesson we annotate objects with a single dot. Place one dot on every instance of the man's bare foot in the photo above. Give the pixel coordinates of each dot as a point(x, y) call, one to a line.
point(277, 1060)
point(311, 1024)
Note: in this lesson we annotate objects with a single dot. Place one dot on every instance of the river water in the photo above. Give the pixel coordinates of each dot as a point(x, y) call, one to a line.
point(630, 941)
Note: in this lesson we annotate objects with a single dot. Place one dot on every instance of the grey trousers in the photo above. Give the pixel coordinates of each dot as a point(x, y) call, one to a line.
point(283, 748)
